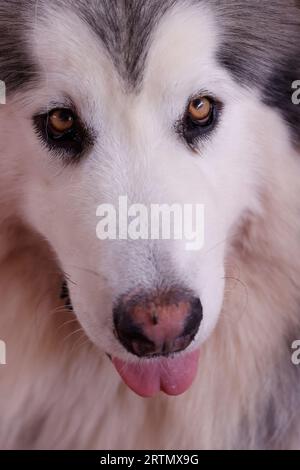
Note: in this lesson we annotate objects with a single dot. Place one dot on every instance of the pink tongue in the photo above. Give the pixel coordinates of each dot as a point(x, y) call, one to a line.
point(171, 375)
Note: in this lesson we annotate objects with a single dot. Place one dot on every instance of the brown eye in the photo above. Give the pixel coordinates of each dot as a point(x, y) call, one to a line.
point(62, 130)
point(61, 120)
point(200, 109)
point(199, 120)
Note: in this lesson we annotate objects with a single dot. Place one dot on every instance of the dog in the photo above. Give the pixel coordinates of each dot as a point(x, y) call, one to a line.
point(138, 344)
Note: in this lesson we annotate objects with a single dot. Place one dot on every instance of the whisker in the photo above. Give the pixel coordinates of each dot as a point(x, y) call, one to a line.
point(89, 271)
point(79, 330)
point(77, 346)
point(229, 291)
point(68, 322)
point(69, 279)
point(60, 309)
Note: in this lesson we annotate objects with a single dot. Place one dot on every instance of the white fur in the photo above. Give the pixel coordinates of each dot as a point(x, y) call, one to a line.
point(56, 394)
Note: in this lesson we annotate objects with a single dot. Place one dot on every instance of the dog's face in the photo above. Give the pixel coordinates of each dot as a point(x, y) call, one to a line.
point(156, 117)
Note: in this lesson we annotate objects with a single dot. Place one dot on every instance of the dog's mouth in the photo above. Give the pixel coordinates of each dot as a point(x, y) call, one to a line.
point(173, 375)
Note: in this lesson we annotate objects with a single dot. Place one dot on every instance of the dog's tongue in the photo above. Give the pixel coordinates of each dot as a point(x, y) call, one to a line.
point(172, 375)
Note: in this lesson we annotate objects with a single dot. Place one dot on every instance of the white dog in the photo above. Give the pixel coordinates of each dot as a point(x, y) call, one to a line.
point(164, 102)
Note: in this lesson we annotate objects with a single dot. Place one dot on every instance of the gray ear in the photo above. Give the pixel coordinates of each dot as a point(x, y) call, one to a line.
point(16, 67)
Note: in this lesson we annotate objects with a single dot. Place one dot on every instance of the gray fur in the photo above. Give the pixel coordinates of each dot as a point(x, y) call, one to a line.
point(17, 67)
point(261, 49)
point(260, 46)
point(125, 27)
point(278, 409)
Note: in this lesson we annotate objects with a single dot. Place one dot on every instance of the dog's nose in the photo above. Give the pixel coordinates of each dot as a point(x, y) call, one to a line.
point(159, 323)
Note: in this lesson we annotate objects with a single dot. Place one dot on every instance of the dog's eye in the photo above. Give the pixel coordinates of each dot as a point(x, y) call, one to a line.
point(61, 121)
point(200, 110)
point(199, 119)
point(63, 132)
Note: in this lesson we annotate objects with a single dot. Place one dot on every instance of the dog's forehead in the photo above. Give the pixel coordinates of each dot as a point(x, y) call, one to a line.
point(126, 28)
point(158, 41)
point(258, 43)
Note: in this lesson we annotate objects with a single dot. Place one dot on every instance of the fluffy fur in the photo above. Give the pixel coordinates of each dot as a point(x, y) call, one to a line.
point(130, 68)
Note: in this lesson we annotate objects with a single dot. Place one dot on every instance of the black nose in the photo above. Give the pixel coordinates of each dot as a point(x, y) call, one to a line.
point(157, 323)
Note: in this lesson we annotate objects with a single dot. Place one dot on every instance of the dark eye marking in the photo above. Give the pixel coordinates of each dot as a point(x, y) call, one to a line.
point(199, 120)
point(63, 132)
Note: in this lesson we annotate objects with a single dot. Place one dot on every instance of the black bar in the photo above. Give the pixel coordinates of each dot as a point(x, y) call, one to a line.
point(136, 459)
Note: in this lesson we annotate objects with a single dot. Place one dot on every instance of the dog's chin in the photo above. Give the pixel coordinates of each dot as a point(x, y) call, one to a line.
point(172, 375)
